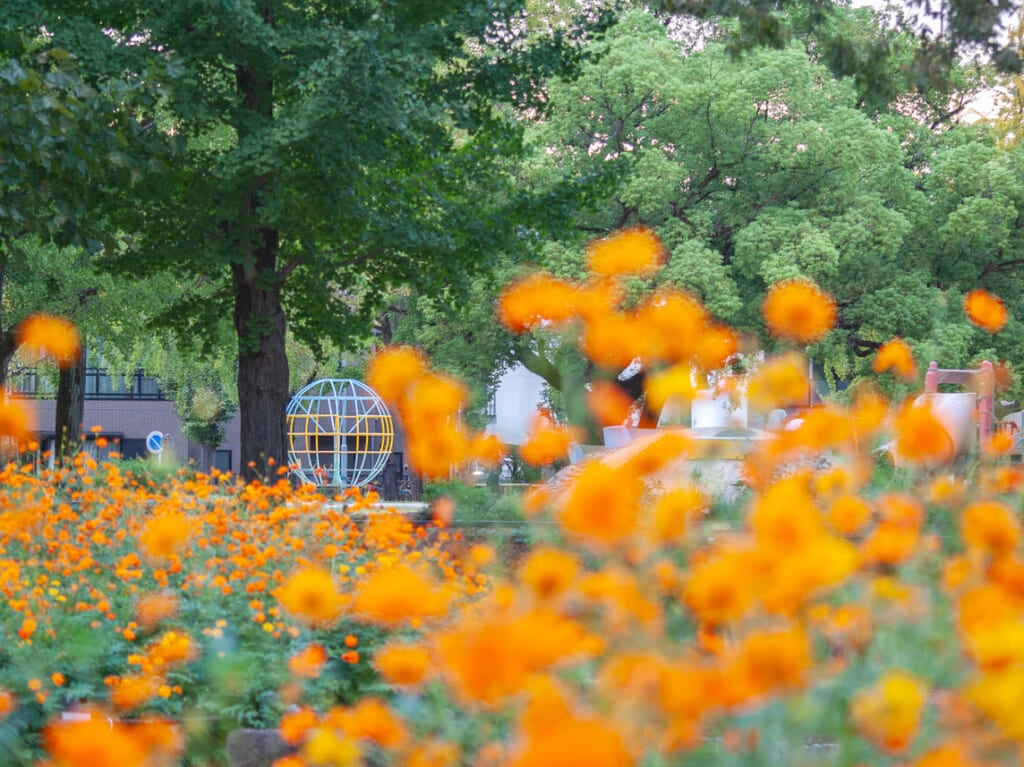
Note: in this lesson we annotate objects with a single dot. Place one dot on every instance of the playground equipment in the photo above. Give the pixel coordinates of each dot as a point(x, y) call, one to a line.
point(967, 416)
point(340, 433)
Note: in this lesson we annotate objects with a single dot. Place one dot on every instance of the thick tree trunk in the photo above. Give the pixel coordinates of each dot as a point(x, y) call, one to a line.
point(70, 407)
point(389, 480)
point(262, 375)
point(8, 346)
point(8, 341)
point(259, 313)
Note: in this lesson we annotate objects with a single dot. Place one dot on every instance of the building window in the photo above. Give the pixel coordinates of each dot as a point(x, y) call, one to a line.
point(222, 460)
point(133, 448)
point(27, 382)
point(99, 384)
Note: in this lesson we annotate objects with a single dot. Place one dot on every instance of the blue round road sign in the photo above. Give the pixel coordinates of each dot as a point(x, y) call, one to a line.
point(155, 442)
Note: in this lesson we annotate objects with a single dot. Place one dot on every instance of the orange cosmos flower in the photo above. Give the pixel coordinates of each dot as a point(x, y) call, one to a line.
point(624, 601)
point(799, 311)
point(997, 694)
point(889, 712)
point(538, 301)
point(572, 742)
point(780, 382)
point(311, 596)
point(921, 437)
point(391, 371)
point(849, 514)
point(637, 251)
point(28, 628)
point(613, 341)
point(402, 664)
point(171, 647)
point(650, 454)
point(985, 310)
point(487, 450)
point(608, 403)
point(674, 381)
point(766, 662)
point(295, 724)
point(163, 739)
point(487, 657)
point(785, 518)
point(602, 505)
point(869, 409)
point(132, 691)
point(93, 743)
point(1000, 443)
point(308, 662)
point(714, 592)
point(598, 298)
point(674, 510)
point(434, 450)
point(990, 527)
point(432, 399)
point(13, 420)
point(165, 535)
point(153, 609)
point(548, 572)
point(901, 510)
point(1008, 572)
point(393, 596)
point(370, 719)
point(47, 334)
point(325, 746)
point(8, 703)
point(676, 323)
point(890, 544)
point(895, 355)
point(546, 441)
point(715, 346)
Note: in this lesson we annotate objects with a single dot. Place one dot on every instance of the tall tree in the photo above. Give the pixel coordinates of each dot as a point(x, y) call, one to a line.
point(61, 138)
point(769, 167)
point(317, 155)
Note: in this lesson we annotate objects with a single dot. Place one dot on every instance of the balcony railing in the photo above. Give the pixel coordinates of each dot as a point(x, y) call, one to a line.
point(99, 384)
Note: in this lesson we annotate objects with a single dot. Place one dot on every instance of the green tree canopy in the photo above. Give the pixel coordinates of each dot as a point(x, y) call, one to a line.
point(768, 167)
point(314, 157)
point(930, 40)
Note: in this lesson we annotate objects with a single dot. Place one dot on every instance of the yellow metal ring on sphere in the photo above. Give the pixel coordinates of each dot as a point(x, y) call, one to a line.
point(340, 433)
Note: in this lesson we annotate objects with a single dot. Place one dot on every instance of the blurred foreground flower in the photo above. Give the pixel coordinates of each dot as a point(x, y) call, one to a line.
point(895, 355)
point(13, 421)
point(45, 334)
point(986, 310)
point(100, 741)
point(636, 252)
point(798, 311)
point(889, 712)
point(546, 441)
point(312, 596)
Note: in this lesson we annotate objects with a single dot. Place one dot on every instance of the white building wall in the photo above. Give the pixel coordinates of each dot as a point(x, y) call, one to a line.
point(516, 399)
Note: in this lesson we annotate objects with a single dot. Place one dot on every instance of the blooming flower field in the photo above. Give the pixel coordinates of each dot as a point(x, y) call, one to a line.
point(856, 615)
